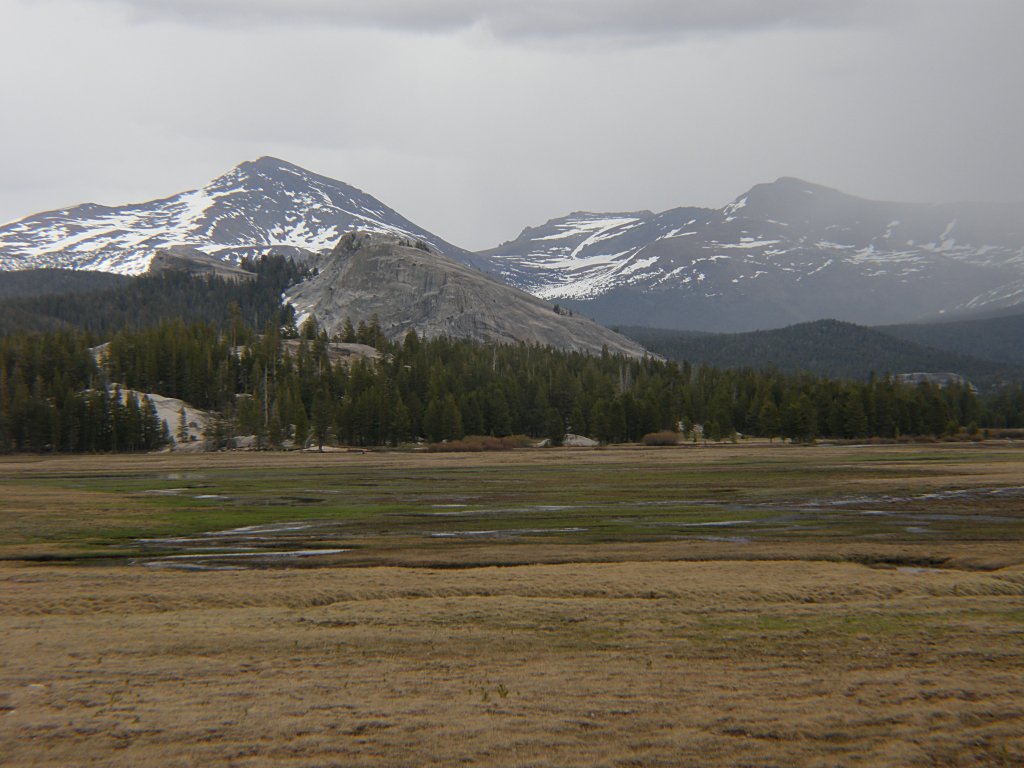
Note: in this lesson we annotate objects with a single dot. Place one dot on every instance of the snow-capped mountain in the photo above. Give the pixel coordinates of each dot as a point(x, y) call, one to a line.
point(266, 204)
point(783, 252)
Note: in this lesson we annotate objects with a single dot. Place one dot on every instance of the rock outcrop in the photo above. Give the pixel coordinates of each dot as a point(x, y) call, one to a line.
point(409, 286)
point(183, 258)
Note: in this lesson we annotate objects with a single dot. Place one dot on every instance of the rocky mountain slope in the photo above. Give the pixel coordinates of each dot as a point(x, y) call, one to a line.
point(184, 258)
point(782, 253)
point(412, 288)
point(266, 204)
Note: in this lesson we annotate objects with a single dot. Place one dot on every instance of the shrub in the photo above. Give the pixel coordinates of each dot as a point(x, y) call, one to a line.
point(665, 437)
point(479, 443)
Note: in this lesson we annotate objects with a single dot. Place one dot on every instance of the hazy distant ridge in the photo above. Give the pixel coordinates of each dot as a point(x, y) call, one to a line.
point(781, 253)
point(838, 349)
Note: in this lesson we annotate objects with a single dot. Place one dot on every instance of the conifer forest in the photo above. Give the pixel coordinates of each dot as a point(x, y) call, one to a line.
point(83, 386)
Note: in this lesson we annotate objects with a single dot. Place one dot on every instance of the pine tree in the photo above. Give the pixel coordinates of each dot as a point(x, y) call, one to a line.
point(433, 427)
point(301, 424)
point(133, 425)
point(855, 420)
point(181, 435)
point(768, 420)
point(348, 332)
point(401, 425)
point(322, 417)
point(554, 426)
point(451, 420)
point(275, 430)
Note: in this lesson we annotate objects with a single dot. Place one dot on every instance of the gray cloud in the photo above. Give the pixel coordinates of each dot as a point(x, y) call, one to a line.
point(477, 119)
point(527, 19)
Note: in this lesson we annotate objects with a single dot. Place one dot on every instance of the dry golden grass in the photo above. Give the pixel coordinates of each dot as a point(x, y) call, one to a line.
point(715, 663)
point(682, 652)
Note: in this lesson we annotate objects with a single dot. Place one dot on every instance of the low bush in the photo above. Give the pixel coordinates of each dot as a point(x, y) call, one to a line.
point(1006, 434)
point(665, 437)
point(479, 443)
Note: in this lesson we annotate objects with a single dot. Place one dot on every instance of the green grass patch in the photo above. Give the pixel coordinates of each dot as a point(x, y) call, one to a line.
point(628, 495)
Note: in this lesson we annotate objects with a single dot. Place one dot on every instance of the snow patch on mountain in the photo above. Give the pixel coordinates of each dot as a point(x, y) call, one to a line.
point(256, 207)
point(796, 251)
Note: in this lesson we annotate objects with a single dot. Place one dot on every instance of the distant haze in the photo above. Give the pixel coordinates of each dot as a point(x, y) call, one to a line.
point(477, 119)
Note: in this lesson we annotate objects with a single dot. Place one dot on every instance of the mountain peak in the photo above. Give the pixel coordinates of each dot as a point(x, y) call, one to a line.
point(257, 206)
point(268, 162)
point(268, 166)
point(789, 199)
point(792, 182)
point(789, 187)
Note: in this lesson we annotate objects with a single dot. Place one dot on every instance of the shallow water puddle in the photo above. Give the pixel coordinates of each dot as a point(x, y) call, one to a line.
point(208, 561)
point(984, 511)
point(506, 533)
point(283, 553)
point(249, 544)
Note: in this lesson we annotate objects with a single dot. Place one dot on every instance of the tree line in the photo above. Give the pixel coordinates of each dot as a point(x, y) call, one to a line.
point(55, 397)
point(52, 299)
point(60, 391)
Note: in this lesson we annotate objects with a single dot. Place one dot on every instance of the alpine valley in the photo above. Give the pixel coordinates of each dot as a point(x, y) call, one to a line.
point(277, 308)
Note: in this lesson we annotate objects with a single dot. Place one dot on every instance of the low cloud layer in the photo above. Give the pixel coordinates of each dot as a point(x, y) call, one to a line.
point(476, 118)
point(525, 19)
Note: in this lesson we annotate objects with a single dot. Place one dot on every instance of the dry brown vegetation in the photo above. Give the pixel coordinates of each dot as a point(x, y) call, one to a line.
point(479, 443)
point(684, 651)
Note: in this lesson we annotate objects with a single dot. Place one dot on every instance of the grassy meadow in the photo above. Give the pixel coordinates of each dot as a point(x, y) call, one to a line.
point(701, 605)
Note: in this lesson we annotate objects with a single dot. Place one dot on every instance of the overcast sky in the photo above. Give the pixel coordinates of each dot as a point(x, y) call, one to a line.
point(475, 118)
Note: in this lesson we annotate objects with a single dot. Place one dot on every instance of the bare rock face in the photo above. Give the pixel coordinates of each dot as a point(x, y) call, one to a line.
point(183, 258)
point(408, 286)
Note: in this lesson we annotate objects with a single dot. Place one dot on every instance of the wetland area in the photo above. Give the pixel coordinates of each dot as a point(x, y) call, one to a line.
point(762, 605)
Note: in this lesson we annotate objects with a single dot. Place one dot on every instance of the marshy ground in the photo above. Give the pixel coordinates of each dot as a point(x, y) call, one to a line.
point(749, 605)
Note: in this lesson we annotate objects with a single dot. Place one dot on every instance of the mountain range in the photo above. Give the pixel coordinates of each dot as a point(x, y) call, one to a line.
point(782, 253)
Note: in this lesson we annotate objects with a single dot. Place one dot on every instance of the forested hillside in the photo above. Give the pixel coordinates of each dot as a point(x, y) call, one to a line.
point(1000, 339)
point(35, 282)
point(826, 348)
point(49, 299)
point(64, 389)
point(55, 395)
